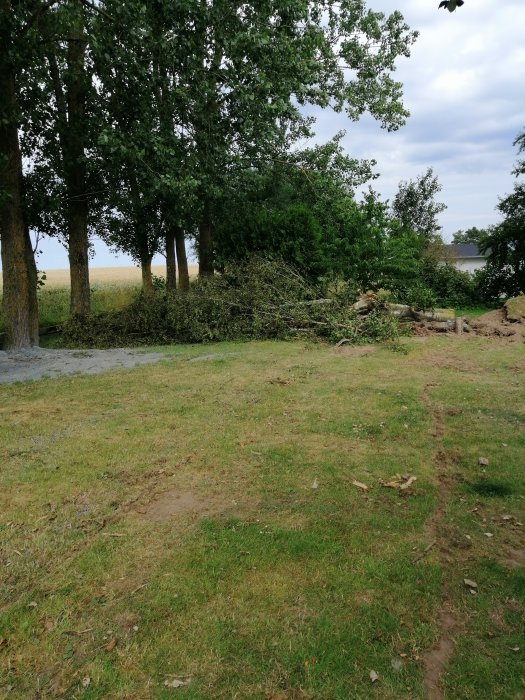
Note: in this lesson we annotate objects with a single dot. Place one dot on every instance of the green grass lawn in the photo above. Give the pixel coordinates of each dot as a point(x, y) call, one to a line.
point(472, 312)
point(196, 521)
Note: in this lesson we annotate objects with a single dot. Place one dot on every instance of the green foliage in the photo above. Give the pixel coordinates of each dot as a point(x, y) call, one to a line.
point(415, 207)
point(259, 299)
point(308, 216)
point(438, 283)
point(450, 286)
point(471, 235)
point(223, 98)
point(133, 116)
point(292, 234)
point(304, 211)
point(419, 296)
point(504, 274)
point(497, 281)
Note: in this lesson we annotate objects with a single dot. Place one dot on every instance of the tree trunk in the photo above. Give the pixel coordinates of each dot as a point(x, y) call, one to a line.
point(33, 286)
point(171, 263)
point(80, 302)
point(20, 306)
point(18, 263)
point(75, 171)
point(182, 260)
point(206, 243)
point(147, 277)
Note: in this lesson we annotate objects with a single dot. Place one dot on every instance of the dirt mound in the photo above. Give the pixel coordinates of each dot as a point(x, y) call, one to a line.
point(495, 323)
point(515, 308)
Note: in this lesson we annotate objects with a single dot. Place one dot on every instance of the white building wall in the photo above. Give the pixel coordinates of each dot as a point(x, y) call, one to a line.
point(469, 264)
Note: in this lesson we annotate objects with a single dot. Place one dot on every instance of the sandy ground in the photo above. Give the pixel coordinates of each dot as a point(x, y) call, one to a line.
point(40, 363)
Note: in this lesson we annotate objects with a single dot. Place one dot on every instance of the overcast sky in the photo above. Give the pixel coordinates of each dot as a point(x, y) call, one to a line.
point(464, 87)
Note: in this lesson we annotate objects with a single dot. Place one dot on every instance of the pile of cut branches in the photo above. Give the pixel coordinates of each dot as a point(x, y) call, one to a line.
point(261, 299)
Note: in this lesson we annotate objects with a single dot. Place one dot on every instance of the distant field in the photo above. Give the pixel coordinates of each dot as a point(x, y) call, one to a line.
point(106, 275)
point(112, 288)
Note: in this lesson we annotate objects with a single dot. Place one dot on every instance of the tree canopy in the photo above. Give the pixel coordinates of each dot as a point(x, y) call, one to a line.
point(415, 205)
point(505, 242)
point(135, 117)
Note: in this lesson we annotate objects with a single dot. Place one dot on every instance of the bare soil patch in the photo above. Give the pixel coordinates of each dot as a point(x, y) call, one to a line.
point(438, 656)
point(436, 359)
point(40, 363)
point(518, 366)
point(513, 559)
point(495, 323)
point(175, 502)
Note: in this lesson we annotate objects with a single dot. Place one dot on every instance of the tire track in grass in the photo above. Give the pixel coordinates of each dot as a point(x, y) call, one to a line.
point(437, 657)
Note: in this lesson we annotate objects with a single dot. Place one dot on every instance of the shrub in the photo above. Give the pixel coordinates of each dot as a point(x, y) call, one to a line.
point(439, 284)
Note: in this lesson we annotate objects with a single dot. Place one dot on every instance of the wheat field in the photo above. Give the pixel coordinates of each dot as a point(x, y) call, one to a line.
point(107, 275)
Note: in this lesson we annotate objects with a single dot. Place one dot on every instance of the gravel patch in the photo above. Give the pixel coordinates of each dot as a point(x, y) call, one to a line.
point(42, 363)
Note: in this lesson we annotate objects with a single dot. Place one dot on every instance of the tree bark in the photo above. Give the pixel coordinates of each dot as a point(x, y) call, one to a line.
point(171, 263)
point(147, 277)
point(80, 302)
point(75, 171)
point(206, 243)
point(182, 260)
point(33, 286)
point(20, 306)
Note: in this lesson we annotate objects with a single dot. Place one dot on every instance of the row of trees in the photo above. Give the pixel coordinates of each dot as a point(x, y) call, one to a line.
point(135, 120)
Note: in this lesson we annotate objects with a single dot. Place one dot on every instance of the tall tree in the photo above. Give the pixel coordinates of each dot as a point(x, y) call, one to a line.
point(416, 208)
point(471, 235)
point(58, 117)
point(505, 243)
point(194, 92)
point(143, 142)
point(20, 308)
point(72, 133)
point(255, 62)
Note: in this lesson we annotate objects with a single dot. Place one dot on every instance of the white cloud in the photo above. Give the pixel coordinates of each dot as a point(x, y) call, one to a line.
point(464, 87)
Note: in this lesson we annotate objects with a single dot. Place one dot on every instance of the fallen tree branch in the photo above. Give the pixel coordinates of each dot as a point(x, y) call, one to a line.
point(425, 551)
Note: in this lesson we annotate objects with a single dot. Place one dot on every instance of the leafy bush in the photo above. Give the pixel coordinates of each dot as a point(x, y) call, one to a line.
point(421, 297)
point(292, 234)
point(495, 283)
point(260, 299)
point(439, 284)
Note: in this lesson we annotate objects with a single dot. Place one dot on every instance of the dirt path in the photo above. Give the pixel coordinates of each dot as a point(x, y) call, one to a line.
point(437, 657)
point(40, 363)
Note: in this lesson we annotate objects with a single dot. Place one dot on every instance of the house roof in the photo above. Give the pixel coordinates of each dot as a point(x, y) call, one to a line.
point(465, 250)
